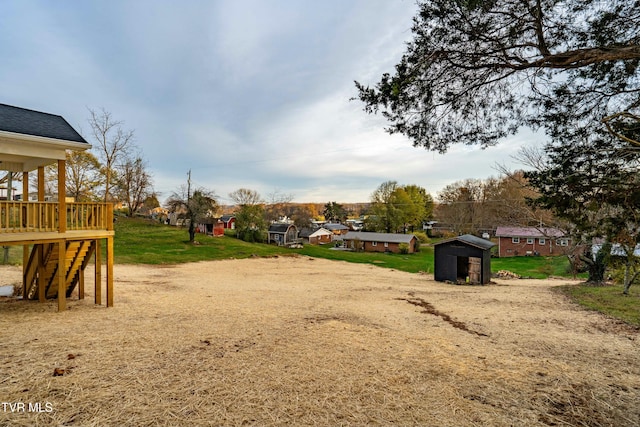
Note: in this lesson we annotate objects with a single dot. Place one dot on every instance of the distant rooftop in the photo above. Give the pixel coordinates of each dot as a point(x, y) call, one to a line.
point(36, 123)
point(366, 236)
point(528, 232)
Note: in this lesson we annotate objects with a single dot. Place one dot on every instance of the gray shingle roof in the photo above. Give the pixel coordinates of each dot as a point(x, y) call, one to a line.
point(35, 123)
point(528, 232)
point(366, 236)
point(280, 227)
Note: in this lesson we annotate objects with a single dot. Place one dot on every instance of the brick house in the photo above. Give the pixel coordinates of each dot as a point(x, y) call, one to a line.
point(528, 241)
point(379, 242)
point(318, 236)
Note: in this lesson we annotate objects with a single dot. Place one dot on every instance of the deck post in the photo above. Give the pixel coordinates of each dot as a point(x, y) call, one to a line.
point(109, 271)
point(98, 278)
point(25, 248)
point(41, 183)
point(62, 276)
point(81, 284)
point(62, 198)
point(41, 271)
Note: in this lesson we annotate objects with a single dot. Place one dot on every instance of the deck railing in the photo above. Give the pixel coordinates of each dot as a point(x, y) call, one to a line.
point(23, 217)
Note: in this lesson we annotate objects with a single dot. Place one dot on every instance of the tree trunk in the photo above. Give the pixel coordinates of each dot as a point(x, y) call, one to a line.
point(597, 265)
point(628, 278)
point(192, 229)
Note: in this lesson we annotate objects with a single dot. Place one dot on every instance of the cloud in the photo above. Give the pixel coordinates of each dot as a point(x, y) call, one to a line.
point(244, 93)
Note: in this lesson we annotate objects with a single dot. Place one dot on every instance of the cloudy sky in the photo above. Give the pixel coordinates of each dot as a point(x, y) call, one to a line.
point(244, 93)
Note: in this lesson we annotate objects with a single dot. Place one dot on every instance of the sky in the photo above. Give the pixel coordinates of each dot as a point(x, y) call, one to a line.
point(250, 94)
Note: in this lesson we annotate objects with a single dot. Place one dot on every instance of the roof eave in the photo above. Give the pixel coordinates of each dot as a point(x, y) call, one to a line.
point(61, 143)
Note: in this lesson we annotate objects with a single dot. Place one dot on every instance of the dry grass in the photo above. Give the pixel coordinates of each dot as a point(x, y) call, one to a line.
point(298, 341)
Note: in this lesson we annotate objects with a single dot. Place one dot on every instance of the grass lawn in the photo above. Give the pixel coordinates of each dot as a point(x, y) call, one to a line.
point(608, 300)
point(140, 241)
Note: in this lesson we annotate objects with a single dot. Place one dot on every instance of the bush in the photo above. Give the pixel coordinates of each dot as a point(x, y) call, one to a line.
point(422, 236)
point(404, 248)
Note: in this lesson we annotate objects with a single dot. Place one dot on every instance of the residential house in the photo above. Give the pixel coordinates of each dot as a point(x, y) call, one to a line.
point(318, 236)
point(337, 229)
point(379, 242)
point(528, 241)
point(283, 234)
point(229, 221)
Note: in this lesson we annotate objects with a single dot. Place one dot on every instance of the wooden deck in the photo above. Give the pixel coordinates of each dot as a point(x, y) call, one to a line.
point(57, 245)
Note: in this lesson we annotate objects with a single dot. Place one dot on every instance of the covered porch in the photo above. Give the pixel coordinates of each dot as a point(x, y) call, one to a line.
point(59, 238)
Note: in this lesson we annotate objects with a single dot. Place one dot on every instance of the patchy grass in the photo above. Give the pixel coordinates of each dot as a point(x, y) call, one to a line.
point(535, 267)
point(608, 300)
point(412, 263)
point(140, 241)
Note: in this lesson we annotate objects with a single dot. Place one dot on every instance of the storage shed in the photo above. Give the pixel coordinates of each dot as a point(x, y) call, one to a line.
point(463, 259)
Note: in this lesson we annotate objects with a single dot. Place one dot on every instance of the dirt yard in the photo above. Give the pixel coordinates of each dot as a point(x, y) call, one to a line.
point(301, 341)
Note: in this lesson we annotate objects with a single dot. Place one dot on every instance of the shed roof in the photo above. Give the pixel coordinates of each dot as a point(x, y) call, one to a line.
point(529, 232)
point(366, 236)
point(36, 123)
point(470, 240)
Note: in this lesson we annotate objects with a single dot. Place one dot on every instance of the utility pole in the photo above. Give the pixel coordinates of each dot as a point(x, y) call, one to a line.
point(190, 209)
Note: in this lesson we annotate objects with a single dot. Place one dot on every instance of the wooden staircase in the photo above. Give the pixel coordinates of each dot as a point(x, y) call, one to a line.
point(77, 254)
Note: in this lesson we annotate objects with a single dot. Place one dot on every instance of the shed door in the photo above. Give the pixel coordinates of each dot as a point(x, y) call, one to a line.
point(475, 270)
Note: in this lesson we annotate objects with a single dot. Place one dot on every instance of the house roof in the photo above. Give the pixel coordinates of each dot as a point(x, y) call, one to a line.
point(35, 123)
point(366, 236)
point(529, 232)
point(332, 227)
point(279, 227)
point(310, 232)
point(470, 240)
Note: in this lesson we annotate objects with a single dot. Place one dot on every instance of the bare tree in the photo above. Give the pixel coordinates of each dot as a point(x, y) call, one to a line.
point(134, 183)
point(278, 205)
point(196, 204)
point(113, 144)
point(244, 196)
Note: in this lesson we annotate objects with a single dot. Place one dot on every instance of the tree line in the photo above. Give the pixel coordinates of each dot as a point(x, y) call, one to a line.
point(478, 71)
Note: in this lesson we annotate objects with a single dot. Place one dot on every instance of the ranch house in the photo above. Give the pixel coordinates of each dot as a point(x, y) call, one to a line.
point(529, 241)
point(318, 236)
point(379, 242)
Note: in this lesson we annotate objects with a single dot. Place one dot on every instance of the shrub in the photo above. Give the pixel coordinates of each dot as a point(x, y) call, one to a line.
point(404, 248)
point(422, 236)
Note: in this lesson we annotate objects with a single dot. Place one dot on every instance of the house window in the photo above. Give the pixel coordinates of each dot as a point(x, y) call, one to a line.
point(374, 243)
point(515, 240)
point(386, 244)
point(530, 241)
point(541, 241)
point(562, 242)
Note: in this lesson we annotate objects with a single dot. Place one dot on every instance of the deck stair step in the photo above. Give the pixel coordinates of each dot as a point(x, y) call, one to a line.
point(77, 255)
